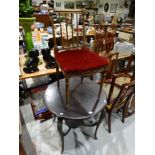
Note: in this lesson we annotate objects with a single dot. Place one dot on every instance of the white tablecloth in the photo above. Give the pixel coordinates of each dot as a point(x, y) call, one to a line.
point(123, 47)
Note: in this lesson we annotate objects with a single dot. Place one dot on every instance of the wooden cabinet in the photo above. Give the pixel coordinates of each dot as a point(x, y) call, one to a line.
point(43, 18)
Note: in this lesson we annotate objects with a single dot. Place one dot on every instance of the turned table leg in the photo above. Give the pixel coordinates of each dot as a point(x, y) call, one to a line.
point(57, 74)
point(60, 130)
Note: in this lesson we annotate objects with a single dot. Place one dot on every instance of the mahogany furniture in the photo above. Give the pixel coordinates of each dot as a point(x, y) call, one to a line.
point(104, 41)
point(109, 42)
point(111, 67)
point(117, 65)
point(43, 18)
point(75, 59)
point(128, 68)
point(130, 108)
point(84, 107)
point(98, 42)
point(119, 97)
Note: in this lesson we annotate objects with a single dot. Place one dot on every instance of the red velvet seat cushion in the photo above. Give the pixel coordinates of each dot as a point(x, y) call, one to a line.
point(80, 60)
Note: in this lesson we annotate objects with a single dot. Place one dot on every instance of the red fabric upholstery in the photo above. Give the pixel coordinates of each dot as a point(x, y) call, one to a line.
point(80, 60)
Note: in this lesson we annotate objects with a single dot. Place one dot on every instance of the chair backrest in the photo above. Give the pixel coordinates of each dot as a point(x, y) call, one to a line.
point(109, 41)
point(130, 64)
point(125, 95)
point(125, 65)
point(72, 34)
point(130, 107)
point(98, 41)
point(126, 92)
point(113, 57)
point(104, 40)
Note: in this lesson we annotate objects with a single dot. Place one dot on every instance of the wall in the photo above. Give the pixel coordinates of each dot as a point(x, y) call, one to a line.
point(121, 10)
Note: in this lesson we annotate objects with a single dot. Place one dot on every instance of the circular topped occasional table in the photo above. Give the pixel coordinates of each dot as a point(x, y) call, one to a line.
point(84, 104)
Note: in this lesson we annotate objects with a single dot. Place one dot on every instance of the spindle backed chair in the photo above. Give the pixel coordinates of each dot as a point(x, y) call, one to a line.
point(75, 58)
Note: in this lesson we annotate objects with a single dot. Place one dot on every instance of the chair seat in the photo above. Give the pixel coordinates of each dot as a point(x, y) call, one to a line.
point(80, 60)
point(122, 80)
point(106, 87)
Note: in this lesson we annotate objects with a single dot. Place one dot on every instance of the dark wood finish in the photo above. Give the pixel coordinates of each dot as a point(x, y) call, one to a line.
point(43, 18)
point(84, 104)
point(69, 13)
point(125, 94)
point(104, 41)
point(128, 66)
point(83, 97)
point(113, 57)
point(129, 109)
point(109, 42)
point(21, 149)
point(98, 42)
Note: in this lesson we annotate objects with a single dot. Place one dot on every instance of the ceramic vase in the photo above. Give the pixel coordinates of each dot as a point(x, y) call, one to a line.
point(26, 23)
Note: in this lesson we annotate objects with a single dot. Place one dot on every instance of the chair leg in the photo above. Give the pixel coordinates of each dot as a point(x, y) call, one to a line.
point(67, 92)
point(57, 74)
point(91, 77)
point(60, 130)
point(81, 79)
point(103, 115)
point(109, 122)
point(124, 112)
point(123, 116)
point(101, 85)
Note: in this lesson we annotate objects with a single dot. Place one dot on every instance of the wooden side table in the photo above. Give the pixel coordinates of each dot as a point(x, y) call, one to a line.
point(84, 104)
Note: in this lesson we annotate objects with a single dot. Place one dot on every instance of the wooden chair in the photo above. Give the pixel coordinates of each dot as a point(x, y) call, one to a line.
point(112, 57)
point(128, 64)
point(130, 108)
point(109, 42)
point(128, 69)
point(98, 42)
point(76, 59)
point(114, 68)
point(118, 97)
point(104, 41)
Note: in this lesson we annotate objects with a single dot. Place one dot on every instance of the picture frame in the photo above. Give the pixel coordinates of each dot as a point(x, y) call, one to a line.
point(69, 5)
point(79, 5)
point(58, 4)
point(113, 8)
point(100, 6)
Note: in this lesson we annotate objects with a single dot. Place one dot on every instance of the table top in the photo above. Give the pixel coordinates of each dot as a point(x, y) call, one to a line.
point(126, 31)
point(123, 55)
point(83, 99)
point(42, 70)
point(123, 47)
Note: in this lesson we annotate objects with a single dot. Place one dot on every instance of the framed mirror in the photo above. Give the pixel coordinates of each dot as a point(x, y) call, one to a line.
point(106, 7)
